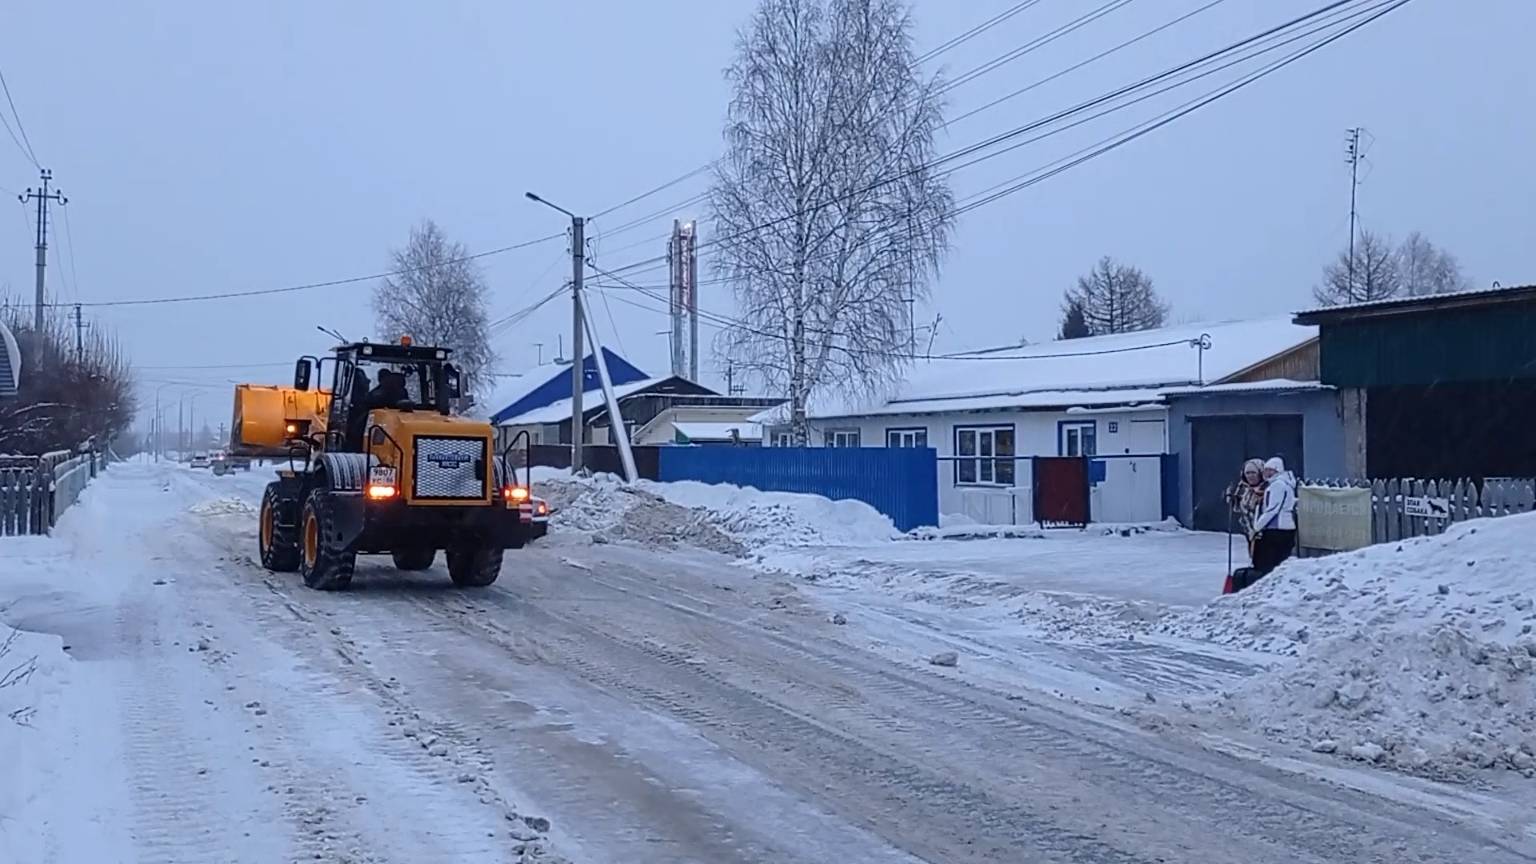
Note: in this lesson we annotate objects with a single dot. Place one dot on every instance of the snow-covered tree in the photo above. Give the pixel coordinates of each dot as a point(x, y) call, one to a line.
point(1116, 298)
point(827, 221)
point(437, 296)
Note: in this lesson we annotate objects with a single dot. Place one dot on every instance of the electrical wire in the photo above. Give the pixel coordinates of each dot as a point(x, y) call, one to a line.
point(26, 150)
point(1009, 135)
point(979, 29)
point(1076, 66)
point(69, 243)
point(929, 55)
point(1029, 47)
point(352, 280)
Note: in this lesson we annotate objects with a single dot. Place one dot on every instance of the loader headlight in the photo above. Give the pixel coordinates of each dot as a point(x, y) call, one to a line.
point(380, 492)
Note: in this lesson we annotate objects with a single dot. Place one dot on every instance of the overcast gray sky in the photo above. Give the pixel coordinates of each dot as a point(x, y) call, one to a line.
point(211, 147)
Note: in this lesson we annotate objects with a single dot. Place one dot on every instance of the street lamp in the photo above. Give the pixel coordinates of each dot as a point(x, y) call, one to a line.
point(578, 366)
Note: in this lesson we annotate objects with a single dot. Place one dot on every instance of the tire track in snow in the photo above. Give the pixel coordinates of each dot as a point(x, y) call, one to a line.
point(1185, 783)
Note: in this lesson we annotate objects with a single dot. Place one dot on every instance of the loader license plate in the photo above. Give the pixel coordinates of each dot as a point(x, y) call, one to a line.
point(381, 475)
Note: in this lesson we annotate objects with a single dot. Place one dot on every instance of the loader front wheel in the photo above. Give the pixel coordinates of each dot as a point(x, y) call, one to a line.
point(323, 567)
point(474, 566)
point(414, 559)
point(277, 544)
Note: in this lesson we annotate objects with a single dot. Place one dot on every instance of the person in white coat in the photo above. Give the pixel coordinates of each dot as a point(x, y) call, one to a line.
point(1275, 526)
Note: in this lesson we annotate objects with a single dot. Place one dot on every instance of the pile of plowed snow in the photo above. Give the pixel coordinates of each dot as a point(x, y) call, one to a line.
point(1417, 655)
point(733, 520)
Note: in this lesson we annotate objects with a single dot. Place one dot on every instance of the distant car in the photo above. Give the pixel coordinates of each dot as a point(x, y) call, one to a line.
point(200, 460)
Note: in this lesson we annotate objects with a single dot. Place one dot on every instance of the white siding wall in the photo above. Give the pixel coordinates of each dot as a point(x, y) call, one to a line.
point(1130, 492)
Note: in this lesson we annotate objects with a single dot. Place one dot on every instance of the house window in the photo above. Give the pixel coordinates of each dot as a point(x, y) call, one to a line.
point(843, 438)
point(1079, 438)
point(984, 455)
point(781, 438)
point(906, 437)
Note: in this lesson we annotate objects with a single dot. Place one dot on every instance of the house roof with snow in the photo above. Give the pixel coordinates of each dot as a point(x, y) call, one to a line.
point(546, 385)
point(1121, 369)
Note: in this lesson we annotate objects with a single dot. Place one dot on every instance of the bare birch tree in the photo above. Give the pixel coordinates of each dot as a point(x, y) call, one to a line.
point(1376, 273)
point(68, 396)
point(829, 224)
point(1429, 269)
point(1116, 298)
point(438, 297)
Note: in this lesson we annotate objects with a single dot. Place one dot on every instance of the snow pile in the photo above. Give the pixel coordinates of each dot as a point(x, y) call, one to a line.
point(1418, 655)
point(33, 673)
point(222, 507)
point(729, 519)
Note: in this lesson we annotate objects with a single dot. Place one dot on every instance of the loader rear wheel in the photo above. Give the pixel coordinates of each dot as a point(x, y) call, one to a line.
point(277, 545)
point(323, 568)
point(414, 559)
point(474, 566)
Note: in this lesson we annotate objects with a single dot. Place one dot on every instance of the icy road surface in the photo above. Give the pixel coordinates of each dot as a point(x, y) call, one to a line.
point(654, 707)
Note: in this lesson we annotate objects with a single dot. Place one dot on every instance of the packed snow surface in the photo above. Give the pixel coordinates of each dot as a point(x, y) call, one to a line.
point(1418, 655)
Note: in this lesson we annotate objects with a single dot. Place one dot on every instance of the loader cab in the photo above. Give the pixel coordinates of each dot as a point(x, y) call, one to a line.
point(367, 377)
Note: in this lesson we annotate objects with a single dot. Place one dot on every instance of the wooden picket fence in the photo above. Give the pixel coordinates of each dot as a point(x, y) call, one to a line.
point(36, 490)
point(1467, 499)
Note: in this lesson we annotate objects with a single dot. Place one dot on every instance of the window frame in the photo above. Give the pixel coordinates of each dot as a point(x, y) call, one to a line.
point(1062, 428)
point(984, 466)
point(902, 432)
point(830, 436)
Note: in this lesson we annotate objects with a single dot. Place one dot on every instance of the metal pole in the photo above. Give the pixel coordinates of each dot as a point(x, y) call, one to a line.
point(1354, 184)
point(693, 302)
point(578, 363)
point(616, 427)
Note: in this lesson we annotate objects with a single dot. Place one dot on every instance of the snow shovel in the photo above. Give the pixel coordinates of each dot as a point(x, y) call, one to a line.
point(1226, 587)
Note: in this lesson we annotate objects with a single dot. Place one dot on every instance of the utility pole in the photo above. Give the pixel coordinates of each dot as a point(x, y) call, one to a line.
point(79, 336)
point(42, 197)
point(1352, 154)
point(578, 368)
point(578, 371)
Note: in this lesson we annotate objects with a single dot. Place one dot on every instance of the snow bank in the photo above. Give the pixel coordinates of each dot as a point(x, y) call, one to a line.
point(34, 670)
point(733, 520)
point(1417, 655)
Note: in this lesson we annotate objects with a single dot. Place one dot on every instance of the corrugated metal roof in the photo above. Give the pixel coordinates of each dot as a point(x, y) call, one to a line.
point(1422, 301)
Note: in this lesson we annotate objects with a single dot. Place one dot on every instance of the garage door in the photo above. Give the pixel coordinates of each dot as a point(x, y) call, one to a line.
point(1219, 447)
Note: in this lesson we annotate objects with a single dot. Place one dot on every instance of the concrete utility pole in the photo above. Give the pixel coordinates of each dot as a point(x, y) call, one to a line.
point(578, 374)
point(42, 197)
point(578, 377)
point(79, 335)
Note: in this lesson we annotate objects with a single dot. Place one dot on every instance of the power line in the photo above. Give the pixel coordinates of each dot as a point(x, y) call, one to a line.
point(26, 150)
point(69, 244)
point(1029, 47)
point(1076, 66)
point(978, 30)
point(929, 55)
point(993, 141)
point(259, 292)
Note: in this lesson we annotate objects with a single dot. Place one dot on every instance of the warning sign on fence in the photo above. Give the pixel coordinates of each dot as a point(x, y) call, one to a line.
point(1334, 519)
point(1426, 508)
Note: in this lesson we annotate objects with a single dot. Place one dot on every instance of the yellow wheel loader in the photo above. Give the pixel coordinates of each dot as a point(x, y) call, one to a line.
point(377, 464)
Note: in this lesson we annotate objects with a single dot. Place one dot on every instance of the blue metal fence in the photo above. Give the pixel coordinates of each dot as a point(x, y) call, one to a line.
point(901, 482)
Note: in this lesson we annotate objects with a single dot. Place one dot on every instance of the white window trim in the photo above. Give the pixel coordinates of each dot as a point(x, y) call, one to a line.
point(1061, 436)
point(829, 438)
point(990, 430)
point(905, 432)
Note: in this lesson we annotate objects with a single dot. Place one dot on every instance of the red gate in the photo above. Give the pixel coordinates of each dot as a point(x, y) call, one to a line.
point(1061, 490)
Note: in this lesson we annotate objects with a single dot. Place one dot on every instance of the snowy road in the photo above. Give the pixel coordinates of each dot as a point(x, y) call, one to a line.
point(656, 707)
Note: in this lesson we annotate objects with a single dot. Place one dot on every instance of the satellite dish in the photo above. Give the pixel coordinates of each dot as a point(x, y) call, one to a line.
point(10, 364)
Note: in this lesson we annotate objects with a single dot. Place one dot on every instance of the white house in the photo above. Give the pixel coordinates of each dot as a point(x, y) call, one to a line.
point(986, 413)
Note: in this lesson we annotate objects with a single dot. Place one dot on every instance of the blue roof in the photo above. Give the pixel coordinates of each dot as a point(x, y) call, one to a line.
point(558, 385)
